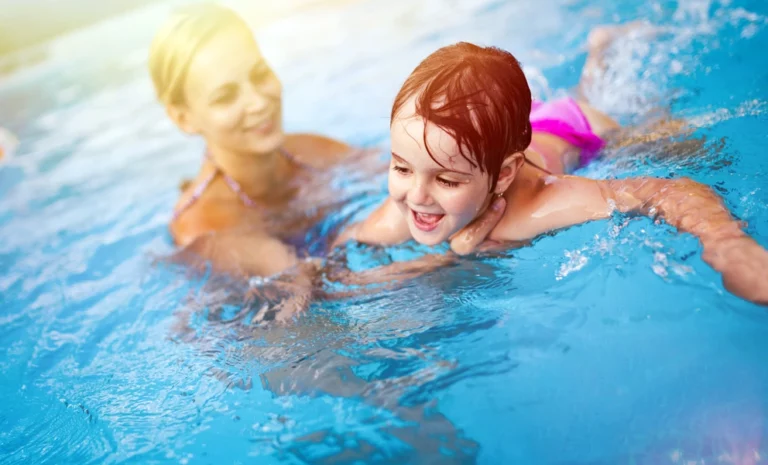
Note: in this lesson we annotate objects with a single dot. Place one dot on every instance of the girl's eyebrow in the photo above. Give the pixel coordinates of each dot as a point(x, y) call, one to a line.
point(400, 159)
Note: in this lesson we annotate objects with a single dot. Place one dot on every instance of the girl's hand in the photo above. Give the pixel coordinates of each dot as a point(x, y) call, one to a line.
point(744, 265)
point(472, 238)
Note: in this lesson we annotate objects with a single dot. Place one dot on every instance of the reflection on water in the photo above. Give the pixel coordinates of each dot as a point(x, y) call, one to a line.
point(607, 343)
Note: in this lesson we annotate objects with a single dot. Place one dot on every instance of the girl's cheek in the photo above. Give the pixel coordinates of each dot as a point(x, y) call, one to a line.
point(459, 203)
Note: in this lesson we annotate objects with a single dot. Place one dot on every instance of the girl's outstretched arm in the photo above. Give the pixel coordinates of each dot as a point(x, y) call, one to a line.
point(695, 208)
point(685, 204)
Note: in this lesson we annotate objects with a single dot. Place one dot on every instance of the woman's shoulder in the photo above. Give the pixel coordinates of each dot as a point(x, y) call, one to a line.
point(317, 150)
point(207, 214)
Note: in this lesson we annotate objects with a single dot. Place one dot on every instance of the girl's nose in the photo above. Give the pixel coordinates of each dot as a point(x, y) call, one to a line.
point(418, 194)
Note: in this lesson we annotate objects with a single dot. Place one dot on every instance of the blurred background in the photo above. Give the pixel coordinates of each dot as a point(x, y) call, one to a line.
point(27, 23)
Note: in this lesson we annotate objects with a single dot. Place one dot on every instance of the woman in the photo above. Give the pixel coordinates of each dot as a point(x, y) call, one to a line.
point(244, 211)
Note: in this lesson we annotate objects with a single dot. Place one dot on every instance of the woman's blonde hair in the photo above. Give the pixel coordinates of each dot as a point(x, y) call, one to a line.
point(179, 40)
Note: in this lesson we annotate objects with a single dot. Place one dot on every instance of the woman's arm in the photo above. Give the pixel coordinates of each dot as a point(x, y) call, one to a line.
point(238, 254)
point(220, 236)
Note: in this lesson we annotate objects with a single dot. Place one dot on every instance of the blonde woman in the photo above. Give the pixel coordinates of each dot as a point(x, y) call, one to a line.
point(244, 211)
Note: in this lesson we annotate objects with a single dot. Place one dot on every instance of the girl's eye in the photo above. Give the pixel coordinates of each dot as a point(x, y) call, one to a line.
point(401, 169)
point(448, 183)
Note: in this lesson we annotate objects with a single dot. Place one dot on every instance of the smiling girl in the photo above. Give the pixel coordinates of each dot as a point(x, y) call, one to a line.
point(461, 132)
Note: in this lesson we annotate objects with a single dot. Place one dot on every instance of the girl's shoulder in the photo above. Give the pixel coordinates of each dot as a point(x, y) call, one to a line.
point(552, 202)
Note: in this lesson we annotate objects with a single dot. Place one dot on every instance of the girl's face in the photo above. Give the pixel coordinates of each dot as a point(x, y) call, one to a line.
point(437, 201)
point(232, 97)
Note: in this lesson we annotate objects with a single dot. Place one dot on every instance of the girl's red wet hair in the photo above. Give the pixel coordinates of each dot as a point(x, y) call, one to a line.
point(478, 95)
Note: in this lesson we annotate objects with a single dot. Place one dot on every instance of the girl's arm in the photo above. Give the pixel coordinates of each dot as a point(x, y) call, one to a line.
point(693, 207)
point(387, 226)
point(685, 204)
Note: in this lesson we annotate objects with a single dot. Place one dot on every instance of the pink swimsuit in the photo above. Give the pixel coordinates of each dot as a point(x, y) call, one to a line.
point(563, 118)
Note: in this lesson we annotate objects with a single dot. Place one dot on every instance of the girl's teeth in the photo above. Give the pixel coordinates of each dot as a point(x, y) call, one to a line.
point(428, 217)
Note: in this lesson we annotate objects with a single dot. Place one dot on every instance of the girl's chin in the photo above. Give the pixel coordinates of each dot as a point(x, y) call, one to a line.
point(431, 238)
point(429, 241)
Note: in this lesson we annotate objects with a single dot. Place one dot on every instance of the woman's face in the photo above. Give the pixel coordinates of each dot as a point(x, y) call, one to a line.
point(232, 96)
point(437, 201)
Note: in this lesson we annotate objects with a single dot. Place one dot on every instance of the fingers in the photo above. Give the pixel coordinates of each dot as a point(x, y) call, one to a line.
point(468, 239)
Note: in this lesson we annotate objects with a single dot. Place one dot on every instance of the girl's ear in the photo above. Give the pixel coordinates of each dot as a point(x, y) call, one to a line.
point(509, 169)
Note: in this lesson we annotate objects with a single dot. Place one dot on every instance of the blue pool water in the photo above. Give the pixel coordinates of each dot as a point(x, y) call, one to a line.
point(609, 343)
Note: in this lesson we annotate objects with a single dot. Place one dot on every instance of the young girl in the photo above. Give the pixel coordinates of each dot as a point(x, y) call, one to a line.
point(464, 134)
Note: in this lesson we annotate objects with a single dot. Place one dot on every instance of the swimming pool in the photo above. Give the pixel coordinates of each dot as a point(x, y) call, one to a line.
point(604, 344)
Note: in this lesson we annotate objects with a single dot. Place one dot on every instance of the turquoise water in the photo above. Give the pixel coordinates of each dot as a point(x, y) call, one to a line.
point(609, 343)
